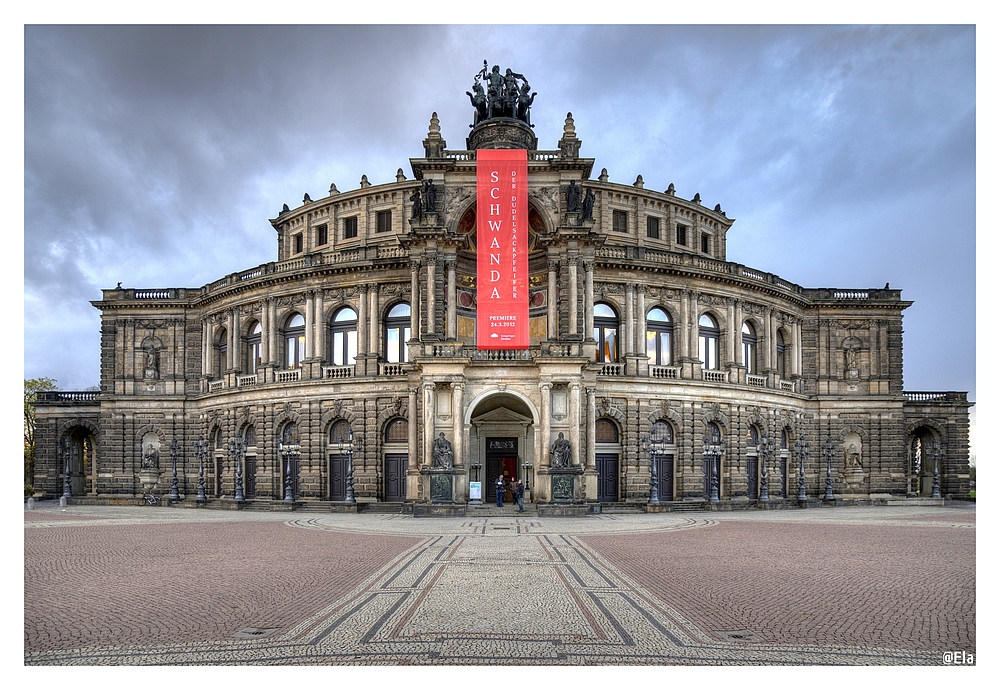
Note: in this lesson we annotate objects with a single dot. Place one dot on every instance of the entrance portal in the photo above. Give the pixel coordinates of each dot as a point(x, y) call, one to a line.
point(502, 442)
point(501, 458)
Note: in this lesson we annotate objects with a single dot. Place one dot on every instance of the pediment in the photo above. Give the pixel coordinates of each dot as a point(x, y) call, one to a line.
point(501, 415)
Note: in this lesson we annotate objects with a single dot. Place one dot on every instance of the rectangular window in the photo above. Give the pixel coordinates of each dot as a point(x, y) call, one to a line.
point(619, 221)
point(653, 227)
point(321, 237)
point(350, 227)
point(383, 221)
point(297, 240)
point(682, 235)
point(704, 243)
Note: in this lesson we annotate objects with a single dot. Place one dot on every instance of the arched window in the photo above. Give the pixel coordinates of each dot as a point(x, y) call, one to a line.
point(397, 333)
point(605, 431)
point(295, 341)
point(222, 352)
point(340, 429)
point(397, 431)
point(784, 439)
point(253, 348)
point(606, 332)
point(289, 434)
point(753, 437)
point(780, 354)
point(661, 432)
point(659, 332)
point(714, 434)
point(217, 439)
point(249, 435)
point(344, 337)
point(749, 347)
point(708, 342)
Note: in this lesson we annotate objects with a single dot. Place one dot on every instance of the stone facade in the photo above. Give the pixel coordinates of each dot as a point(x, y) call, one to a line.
point(356, 347)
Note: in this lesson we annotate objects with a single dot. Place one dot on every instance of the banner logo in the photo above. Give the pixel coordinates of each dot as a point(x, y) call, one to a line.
point(502, 249)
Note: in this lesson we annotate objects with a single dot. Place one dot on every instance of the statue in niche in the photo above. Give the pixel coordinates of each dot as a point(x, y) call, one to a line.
point(150, 458)
point(853, 457)
point(572, 197)
point(151, 369)
point(442, 456)
point(588, 205)
point(418, 209)
point(562, 453)
point(430, 196)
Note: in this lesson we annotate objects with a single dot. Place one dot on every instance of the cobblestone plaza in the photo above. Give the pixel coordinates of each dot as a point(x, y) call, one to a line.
point(168, 586)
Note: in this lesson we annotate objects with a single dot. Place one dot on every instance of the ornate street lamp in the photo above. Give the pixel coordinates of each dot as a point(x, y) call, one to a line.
point(200, 448)
point(67, 486)
point(765, 450)
point(348, 450)
point(829, 448)
point(802, 450)
point(939, 449)
point(714, 448)
point(287, 450)
point(237, 450)
point(174, 449)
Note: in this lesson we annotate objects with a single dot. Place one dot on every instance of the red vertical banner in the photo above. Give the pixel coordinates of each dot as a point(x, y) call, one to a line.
point(502, 249)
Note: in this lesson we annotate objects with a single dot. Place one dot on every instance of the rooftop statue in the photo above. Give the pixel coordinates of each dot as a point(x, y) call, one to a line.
point(505, 95)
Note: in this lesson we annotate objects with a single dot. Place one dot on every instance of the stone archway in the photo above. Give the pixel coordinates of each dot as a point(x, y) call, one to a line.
point(501, 431)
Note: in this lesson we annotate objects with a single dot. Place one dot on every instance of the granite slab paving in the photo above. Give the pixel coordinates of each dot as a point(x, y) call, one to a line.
point(129, 585)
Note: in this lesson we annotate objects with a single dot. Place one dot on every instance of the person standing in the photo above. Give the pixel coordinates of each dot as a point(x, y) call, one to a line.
point(501, 487)
point(519, 495)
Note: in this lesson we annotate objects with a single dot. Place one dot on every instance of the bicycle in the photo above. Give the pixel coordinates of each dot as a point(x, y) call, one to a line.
point(151, 499)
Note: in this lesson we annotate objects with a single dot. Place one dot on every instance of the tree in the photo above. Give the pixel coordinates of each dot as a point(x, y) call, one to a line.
point(32, 387)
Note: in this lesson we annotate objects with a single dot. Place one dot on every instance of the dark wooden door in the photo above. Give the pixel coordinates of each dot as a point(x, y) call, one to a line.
point(665, 477)
point(218, 476)
point(338, 477)
point(753, 473)
point(395, 478)
point(607, 477)
point(250, 476)
point(783, 489)
point(501, 453)
point(493, 470)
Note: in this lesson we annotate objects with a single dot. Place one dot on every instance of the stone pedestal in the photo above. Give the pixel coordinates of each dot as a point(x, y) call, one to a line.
point(439, 484)
point(564, 483)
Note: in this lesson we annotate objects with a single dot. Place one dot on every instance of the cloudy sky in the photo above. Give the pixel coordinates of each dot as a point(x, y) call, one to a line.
point(155, 155)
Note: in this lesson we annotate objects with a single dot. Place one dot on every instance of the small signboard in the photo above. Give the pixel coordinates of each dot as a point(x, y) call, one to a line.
point(475, 491)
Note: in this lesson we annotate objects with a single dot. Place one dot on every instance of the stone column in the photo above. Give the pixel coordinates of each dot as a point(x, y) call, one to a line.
point(362, 319)
point(373, 320)
point(588, 300)
point(734, 329)
point(275, 348)
point(310, 322)
point(431, 329)
point(413, 459)
point(553, 320)
point(629, 339)
point(693, 333)
point(684, 336)
point(457, 388)
point(738, 326)
point(206, 347)
point(640, 348)
point(574, 421)
point(591, 429)
point(428, 422)
point(265, 332)
point(573, 299)
point(546, 389)
point(452, 327)
point(769, 342)
point(414, 301)
point(233, 343)
point(320, 329)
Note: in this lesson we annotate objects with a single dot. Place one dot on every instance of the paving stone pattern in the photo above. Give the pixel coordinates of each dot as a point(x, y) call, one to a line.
point(851, 586)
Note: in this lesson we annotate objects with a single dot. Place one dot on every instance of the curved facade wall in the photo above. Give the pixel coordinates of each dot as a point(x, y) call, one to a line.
point(650, 353)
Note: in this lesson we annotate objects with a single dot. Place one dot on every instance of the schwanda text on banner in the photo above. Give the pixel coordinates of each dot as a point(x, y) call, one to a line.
point(502, 249)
